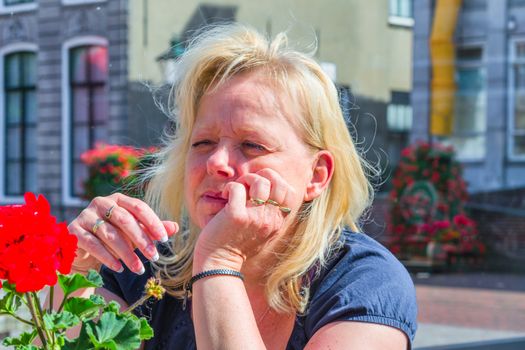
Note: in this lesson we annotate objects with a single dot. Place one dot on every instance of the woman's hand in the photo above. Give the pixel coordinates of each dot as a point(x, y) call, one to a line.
point(259, 209)
point(129, 223)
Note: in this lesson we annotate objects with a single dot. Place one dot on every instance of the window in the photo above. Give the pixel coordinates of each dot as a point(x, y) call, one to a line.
point(399, 112)
point(399, 123)
point(10, 6)
point(345, 100)
point(20, 160)
point(86, 111)
point(17, 2)
point(517, 101)
point(400, 13)
point(470, 117)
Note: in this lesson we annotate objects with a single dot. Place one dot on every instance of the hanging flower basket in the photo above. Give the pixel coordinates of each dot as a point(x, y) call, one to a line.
point(427, 204)
point(113, 168)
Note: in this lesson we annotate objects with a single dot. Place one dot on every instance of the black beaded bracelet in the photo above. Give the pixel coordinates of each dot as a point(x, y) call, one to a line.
point(217, 272)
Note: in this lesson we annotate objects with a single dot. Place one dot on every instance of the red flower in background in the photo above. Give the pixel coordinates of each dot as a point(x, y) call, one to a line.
point(112, 168)
point(33, 246)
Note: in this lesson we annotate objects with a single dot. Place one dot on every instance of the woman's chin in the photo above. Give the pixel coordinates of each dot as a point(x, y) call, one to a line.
point(205, 220)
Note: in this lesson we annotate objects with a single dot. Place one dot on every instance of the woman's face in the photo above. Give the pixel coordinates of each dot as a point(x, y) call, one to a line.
point(243, 127)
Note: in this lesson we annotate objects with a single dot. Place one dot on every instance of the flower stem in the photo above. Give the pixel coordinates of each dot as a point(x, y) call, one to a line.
point(51, 296)
point(137, 303)
point(63, 302)
point(18, 318)
point(37, 320)
point(50, 334)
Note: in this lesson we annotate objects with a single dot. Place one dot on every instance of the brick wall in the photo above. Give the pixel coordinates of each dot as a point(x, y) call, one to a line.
point(58, 23)
point(500, 216)
point(504, 236)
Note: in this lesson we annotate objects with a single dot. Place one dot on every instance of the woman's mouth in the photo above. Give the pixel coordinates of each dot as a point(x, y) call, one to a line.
point(214, 197)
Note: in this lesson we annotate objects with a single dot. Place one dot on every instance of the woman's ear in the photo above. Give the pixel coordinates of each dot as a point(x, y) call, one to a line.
point(323, 170)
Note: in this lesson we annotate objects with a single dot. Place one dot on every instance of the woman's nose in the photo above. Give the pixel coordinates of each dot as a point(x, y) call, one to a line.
point(220, 163)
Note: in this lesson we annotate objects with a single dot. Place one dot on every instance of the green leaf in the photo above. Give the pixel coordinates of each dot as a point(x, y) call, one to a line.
point(146, 332)
point(25, 338)
point(8, 287)
point(112, 306)
point(81, 343)
point(115, 332)
point(27, 347)
point(71, 283)
point(10, 303)
point(85, 309)
point(97, 299)
point(61, 320)
point(60, 341)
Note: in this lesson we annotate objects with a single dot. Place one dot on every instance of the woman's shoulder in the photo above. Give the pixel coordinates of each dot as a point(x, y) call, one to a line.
point(364, 282)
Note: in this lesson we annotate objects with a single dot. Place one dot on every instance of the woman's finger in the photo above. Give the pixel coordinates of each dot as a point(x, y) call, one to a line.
point(143, 213)
point(125, 222)
point(279, 190)
point(236, 194)
point(94, 247)
point(171, 227)
point(115, 241)
point(258, 188)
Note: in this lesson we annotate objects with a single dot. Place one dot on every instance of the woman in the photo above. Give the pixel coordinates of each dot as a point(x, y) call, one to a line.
point(263, 174)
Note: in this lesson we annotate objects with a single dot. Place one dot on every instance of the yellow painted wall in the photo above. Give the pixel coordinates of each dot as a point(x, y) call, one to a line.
point(371, 56)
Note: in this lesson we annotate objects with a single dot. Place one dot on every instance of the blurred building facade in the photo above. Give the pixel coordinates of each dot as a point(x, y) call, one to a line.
point(488, 115)
point(488, 128)
point(63, 77)
point(76, 72)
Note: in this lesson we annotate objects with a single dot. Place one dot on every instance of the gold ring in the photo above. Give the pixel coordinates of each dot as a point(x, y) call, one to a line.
point(257, 201)
point(285, 210)
point(272, 202)
point(108, 213)
point(97, 225)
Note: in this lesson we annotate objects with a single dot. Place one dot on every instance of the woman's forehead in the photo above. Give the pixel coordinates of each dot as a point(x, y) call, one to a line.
point(245, 96)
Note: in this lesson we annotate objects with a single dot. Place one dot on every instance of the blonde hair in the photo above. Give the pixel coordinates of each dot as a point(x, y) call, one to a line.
point(212, 58)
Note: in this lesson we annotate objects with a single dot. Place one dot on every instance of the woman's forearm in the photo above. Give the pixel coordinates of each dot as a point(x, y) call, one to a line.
point(222, 313)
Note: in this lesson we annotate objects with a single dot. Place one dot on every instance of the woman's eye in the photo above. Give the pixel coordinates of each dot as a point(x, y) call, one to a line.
point(253, 146)
point(201, 143)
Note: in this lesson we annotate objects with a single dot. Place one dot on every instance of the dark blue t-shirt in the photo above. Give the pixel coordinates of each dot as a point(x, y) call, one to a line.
point(363, 282)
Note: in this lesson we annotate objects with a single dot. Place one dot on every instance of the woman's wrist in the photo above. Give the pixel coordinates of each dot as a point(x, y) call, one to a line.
point(210, 258)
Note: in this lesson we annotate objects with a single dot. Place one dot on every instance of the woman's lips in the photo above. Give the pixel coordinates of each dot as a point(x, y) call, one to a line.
point(214, 197)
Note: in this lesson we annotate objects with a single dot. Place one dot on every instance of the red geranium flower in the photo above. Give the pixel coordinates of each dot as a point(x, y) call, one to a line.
point(33, 246)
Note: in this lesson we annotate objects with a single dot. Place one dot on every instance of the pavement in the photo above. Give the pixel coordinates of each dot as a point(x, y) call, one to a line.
point(469, 307)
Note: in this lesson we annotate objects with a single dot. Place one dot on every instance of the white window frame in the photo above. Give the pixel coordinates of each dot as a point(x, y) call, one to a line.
point(67, 196)
point(510, 102)
point(390, 115)
point(483, 65)
point(7, 9)
point(4, 51)
point(399, 20)
point(81, 2)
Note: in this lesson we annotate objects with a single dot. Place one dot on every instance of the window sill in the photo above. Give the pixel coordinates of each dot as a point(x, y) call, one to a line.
point(12, 9)
point(81, 2)
point(397, 21)
point(8, 200)
point(74, 201)
point(516, 159)
point(471, 161)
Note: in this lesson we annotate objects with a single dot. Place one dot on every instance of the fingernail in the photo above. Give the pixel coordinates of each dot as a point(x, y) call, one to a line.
point(141, 270)
point(155, 256)
point(120, 270)
point(164, 239)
